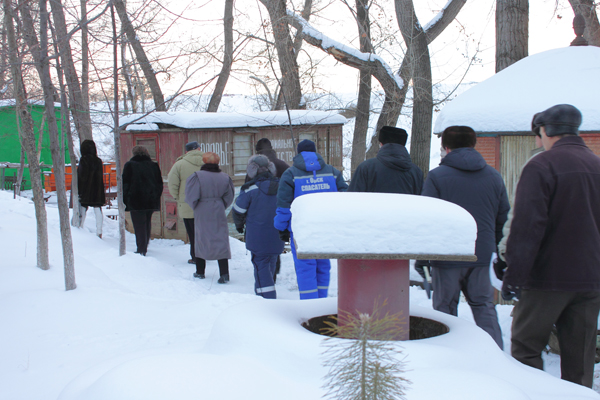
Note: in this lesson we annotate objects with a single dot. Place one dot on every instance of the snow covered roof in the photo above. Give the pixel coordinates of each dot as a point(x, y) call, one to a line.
point(381, 226)
point(507, 101)
point(195, 120)
point(11, 103)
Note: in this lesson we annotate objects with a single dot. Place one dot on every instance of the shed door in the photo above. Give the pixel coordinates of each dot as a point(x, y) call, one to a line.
point(242, 151)
point(150, 142)
point(514, 153)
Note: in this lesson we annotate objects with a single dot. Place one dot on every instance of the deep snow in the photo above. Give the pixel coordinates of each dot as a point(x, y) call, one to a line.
point(143, 328)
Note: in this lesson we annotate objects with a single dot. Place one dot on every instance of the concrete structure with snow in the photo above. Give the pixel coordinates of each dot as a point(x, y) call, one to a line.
point(374, 235)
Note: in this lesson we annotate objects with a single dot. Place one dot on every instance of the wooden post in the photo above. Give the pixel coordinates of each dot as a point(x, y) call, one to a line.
point(366, 284)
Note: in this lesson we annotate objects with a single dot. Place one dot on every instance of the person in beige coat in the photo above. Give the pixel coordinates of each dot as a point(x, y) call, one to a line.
point(185, 166)
point(209, 192)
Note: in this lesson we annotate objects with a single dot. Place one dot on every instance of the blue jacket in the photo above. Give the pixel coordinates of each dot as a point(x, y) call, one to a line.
point(255, 208)
point(308, 174)
point(464, 178)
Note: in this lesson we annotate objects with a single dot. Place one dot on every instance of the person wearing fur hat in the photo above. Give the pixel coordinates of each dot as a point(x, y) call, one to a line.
point(553, 251)
point(392, 171)
point(90, 184)
point(142, 188)
point(309, 174)
point(209, 192)
point(185, 166)
point(255, 209)
point(464, 178)
point(264, 147)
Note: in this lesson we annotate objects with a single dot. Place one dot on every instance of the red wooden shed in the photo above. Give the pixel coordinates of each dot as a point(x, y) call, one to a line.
point(231, 135)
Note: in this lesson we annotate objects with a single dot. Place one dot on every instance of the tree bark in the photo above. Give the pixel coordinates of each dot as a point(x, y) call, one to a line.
point(142, 58)
point(79, 110)
point(587, 9)
point(58, 161)
point(85, 62)
point(217, 95)
point(290, 77)
point(117, 137)
point(363, 103)
point(27, 139)
point(420, 67)
point(512, 32)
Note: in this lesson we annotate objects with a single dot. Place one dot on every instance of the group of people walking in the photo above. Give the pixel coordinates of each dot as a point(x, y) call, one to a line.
point(548, 244)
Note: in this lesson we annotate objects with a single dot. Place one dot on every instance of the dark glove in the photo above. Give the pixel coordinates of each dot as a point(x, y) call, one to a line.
point(240, 229)
point(510, 292)
point(284, 235)
point(419, 264)
point(499, 267)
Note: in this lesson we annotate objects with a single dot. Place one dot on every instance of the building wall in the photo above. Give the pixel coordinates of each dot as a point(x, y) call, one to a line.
point(234, 146)
point(487, 146)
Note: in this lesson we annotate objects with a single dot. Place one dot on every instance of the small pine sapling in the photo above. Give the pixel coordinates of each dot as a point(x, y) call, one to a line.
point(368, 366)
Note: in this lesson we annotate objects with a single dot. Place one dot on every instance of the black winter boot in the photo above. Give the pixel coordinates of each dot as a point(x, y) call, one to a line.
point(223, 279)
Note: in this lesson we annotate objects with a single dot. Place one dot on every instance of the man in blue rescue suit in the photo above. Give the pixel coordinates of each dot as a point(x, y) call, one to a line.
point(308, 174)
point(255, 208)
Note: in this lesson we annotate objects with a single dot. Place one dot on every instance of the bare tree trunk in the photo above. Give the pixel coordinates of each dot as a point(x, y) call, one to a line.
point(420, 67)
point(117, 135)
point(58, 161)
point(85, 62)
point(215, 99)
point(127, 78)
point(140, 54)
point(79, 110)
point(27, 140)
point(290, 77)
point(363, 103)
point(512, 32)
point(587, 9)
point(20, 172)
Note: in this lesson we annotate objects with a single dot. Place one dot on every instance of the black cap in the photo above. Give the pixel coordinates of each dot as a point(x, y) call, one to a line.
point(191, 146)
point(562, 119)
point(306, 145)
point(263, 144)
point(390, 134)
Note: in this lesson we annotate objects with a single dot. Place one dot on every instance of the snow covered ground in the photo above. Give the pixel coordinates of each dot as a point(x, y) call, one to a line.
point(143, 326)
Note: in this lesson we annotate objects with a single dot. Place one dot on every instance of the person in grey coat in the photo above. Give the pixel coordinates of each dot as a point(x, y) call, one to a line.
point(464, 178)
point(209, 192)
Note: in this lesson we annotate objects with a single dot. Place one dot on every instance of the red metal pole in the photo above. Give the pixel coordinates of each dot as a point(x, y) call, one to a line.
point(362, 284)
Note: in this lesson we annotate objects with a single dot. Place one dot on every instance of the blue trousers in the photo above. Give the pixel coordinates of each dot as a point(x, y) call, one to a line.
point(312, 276)
point(264, 270)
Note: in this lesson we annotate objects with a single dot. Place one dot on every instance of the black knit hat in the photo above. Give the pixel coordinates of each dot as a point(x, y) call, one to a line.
point(390, 134)
point(562, 119)
point(535, 123)
point(263, 144)
point(306, 145)
point(191, 146)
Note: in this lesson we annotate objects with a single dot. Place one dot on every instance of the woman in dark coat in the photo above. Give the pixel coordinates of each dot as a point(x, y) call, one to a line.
point(209, 192)
point(142, 188)
point(90, 183)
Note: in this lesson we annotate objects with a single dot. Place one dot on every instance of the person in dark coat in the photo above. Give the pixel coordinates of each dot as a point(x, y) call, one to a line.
point(392, 171)
point(309, 174)
point(209, 192)
point(553, 251)
point(255, 209)
point(90, 183)
point(142, 188)
point(464, 178)
point(264, 147)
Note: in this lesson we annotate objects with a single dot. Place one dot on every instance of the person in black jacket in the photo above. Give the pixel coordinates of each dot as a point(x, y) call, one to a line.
point(392, 171)
point(464, 178)
point(90, 184)
point(142, 188)
point(553, 251)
